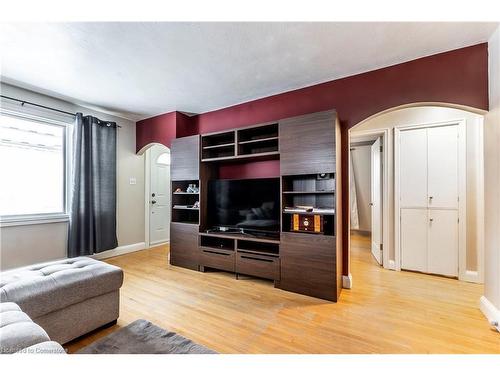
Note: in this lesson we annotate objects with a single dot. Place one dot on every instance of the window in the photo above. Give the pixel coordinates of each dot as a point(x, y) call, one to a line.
point(163, 159)
point(32, 167)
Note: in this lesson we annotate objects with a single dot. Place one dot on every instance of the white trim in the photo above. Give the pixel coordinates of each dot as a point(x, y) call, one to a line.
point(462, 172)
point(384, 133)
point(120, 250)
point(470, 276)
point(33, 219)
point(159, 243)
point(490, 312)
point(36, 118)
point(462, 204)
point(480, 203)
point(392, 265)
point(347, 281)
point(147, 188)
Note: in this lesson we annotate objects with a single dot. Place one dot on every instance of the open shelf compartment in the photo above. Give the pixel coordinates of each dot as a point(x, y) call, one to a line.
point(218, 145)
point(258, 140)
point(182, 202)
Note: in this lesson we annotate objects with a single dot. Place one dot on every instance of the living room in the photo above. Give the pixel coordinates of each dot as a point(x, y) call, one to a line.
point(202, 188)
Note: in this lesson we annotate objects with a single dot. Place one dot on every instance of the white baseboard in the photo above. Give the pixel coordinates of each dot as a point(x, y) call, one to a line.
point(471, 277)
point(347, 282)
point(159, 243)
point(120, 250)
point(490, 311)
point(392, 265)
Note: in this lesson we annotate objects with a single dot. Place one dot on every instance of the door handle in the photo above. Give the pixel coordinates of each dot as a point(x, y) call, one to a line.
point(153, 202)
point(431, 220)
point(370, 204)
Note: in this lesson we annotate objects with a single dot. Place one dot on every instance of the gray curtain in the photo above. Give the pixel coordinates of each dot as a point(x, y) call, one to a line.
point(92, 226)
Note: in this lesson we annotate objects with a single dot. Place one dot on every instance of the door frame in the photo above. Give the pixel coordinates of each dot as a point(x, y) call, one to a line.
point(462, 189)
point(384, 134)
point(147, 188)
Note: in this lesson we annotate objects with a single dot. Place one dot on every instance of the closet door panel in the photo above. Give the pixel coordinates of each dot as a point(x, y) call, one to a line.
point(442, 149)
point(413, 168)
point(443, 242)
point(414, 223)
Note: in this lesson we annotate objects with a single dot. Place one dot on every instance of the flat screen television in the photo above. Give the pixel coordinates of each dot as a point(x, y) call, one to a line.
point(251, 205)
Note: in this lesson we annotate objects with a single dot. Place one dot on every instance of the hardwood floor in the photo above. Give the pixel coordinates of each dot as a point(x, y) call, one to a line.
point(385, 312)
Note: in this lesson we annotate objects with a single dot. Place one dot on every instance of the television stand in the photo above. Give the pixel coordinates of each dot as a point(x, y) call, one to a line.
point(241, 254)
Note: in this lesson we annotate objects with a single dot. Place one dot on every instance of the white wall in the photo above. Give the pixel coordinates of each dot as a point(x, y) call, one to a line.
point(361, 165)
point(27, 244)
point(430, 114)
point(490, 303)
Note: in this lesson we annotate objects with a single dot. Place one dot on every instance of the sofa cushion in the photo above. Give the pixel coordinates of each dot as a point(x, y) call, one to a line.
point(17, 331)
point(43, 288)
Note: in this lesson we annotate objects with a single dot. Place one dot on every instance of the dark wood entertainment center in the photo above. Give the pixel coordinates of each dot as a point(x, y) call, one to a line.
point(308, 151)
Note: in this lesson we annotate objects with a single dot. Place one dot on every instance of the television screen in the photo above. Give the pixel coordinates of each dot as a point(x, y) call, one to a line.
point(252, 204)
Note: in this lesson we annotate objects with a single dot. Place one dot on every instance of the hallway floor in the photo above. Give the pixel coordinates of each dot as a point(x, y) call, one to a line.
point(385, 312)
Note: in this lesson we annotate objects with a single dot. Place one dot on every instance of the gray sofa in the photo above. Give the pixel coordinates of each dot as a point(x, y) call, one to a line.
point(67, 298)
point(18, 333)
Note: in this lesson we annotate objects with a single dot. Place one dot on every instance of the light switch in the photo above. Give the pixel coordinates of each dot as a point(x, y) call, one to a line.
point(133, 181)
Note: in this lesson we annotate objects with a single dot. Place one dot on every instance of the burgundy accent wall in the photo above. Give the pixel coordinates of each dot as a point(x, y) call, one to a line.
point(158, 129)
point(455, 77)
point(185, 126)
point(256, 169)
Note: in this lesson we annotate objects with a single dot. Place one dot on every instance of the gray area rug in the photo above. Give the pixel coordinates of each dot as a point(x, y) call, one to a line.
point(143, 337)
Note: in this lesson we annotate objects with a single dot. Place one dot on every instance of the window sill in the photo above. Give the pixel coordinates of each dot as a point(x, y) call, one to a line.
point(33, 220)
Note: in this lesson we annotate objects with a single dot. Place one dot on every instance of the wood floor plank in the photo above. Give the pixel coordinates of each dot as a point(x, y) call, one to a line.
point(385, 312)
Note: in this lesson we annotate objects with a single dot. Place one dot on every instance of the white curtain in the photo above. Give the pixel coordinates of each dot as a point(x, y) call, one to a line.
point(352, 195)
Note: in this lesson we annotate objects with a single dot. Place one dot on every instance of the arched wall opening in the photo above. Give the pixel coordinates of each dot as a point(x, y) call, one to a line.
point(385, 123)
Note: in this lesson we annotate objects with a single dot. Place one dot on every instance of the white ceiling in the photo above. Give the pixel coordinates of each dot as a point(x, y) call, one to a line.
point(138, 70)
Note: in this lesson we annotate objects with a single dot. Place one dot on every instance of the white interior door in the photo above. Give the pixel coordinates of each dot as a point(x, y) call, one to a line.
point(443, 242)
point(414, 223)
point(413, 168)
point(376, 200)
point(442, 149)
point(159, 207)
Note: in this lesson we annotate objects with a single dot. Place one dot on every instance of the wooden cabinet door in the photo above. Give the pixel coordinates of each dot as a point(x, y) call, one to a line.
point(184, 245)
point(414, 224)
point(443, 242)
point(186, 158)
point(308, 265)
point(307, 144)
point(442, 145)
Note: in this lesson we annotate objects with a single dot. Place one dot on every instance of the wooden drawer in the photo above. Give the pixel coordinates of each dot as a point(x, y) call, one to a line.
point(217, 258)
point(184, 245)
point(308, 265)
point(267, 267)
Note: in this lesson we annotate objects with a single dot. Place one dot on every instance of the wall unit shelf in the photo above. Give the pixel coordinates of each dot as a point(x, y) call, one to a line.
point(182, 200)
point(307, 148)
point(309, 192)
point(256, 141)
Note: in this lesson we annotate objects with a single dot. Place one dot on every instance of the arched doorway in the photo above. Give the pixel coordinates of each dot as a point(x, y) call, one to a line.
point(385, 125)
point(157, 195)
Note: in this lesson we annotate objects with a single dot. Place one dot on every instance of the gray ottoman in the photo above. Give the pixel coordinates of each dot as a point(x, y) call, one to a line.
point(67, 298)
point(18, 333)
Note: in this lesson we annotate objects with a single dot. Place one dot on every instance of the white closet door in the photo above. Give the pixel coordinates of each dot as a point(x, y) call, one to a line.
point(414, 223)
point(443, 166)
point(443, 242)
point(413, 168)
